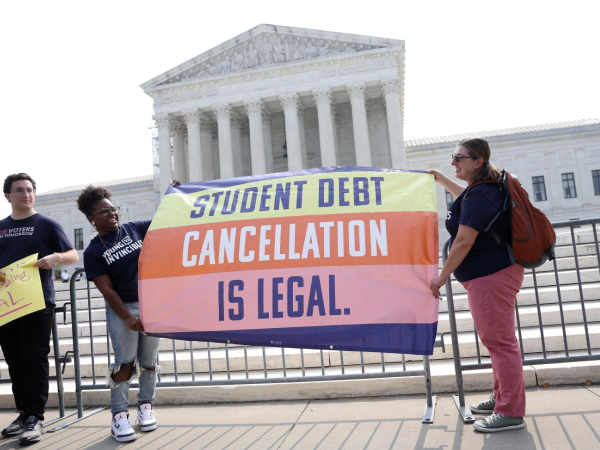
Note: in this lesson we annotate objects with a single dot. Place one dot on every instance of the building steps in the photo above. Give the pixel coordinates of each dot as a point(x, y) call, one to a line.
point(577, 286)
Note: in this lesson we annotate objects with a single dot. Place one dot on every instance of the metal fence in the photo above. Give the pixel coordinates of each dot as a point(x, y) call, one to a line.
point(560, 308)
point(561, 297)
point(561, 324)
point(202, 364)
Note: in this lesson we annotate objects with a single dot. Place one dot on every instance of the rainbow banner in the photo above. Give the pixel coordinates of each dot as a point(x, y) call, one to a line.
point(331, 258)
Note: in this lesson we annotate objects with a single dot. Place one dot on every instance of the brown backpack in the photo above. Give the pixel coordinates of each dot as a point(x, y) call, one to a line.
point(532, 234)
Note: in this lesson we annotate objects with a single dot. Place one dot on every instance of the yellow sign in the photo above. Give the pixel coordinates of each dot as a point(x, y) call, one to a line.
point(20, 289)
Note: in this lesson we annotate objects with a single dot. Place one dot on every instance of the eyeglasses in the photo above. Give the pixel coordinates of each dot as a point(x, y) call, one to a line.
point(106, 211)
point(20, 191)
point(457, 158)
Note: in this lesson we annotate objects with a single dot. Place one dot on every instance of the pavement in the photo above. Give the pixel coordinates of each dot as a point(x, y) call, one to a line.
point(565, 417)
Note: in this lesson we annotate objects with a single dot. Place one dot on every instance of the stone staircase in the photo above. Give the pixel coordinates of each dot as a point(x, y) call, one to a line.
point(178, 357)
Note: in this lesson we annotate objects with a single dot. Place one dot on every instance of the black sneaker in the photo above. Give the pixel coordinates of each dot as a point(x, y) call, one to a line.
point(15, 428)
point(33, 431)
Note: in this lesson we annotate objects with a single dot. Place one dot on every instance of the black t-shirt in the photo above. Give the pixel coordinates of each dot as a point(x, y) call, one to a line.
point(479, 207)
point(35, 234)
point(122, 264)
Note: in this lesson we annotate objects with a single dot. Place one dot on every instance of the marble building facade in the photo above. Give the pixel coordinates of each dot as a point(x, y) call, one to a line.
point(557, 164)
point(276, 98)
point(544, 154)
point(280, 98)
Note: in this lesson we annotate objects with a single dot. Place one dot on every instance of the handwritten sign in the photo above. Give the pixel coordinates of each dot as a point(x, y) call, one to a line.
point(324, 258)
point(20, 289)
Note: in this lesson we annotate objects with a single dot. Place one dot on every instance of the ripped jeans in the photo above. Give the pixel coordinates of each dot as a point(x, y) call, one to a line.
point(128, 346)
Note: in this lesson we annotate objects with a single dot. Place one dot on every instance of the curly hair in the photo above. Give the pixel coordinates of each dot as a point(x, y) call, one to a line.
point(89, 197)
point(9, 180)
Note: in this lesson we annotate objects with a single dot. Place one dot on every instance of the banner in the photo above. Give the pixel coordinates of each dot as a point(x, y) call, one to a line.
point(331, 258)
point(20, 289)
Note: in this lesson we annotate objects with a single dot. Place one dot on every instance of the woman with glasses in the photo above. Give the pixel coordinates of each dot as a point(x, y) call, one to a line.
point(484, 268)
point(111, 261)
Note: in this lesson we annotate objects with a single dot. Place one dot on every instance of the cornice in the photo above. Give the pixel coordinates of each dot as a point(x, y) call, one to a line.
point(296, 39)
point(279, 75)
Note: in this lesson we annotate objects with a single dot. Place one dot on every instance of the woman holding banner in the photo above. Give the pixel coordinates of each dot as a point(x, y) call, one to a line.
point(484, 269)
point(111, 261)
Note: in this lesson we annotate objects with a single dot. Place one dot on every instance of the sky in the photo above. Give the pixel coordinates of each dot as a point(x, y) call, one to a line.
point(72, 111)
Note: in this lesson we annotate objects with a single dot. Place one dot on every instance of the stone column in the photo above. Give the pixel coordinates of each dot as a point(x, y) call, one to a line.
point(326, 127)
point(254, 107)
point(266, 126)
point(302, 129)
point(165, 164)
point(208, 163)
point(195, 170)
point(214, 129)
point(290, 104)
point(391, 93)
point(246, 156)
point(223, 113)
point(362, 144)
point(236, 144)
point(186, 150)
point(336, 133)
point(179, 159)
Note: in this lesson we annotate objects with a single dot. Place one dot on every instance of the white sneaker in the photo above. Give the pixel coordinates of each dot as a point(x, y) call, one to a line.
point(146, 417)
point(121, 428)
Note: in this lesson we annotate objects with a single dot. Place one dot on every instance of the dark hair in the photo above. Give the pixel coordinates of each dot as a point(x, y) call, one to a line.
point(479, 148)
point(89, 197)
point(9, 180)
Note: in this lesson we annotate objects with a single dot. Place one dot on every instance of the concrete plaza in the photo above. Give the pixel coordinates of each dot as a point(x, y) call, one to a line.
point(565, 417)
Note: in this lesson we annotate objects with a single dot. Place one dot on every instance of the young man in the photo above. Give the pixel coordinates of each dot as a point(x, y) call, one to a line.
point(26, 341)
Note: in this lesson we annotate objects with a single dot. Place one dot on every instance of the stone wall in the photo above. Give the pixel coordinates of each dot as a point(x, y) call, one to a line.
point(549, 154)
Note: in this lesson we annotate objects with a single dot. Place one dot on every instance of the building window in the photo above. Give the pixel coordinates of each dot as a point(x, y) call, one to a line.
point(539, 189)
point(78, 238)
point(596, 179)
point(449, 199)
point(568, 181)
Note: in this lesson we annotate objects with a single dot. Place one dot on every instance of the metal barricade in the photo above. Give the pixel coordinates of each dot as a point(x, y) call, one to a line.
point(202, 364)
point(556, 319)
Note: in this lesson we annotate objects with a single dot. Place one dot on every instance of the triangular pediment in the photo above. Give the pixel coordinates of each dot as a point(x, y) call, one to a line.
point(265, 46)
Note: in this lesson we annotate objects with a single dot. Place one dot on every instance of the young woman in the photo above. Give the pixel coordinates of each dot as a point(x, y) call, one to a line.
point(483, 267)
point(111, 262)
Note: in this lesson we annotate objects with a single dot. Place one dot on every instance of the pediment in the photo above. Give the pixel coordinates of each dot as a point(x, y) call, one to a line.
point(265, 46)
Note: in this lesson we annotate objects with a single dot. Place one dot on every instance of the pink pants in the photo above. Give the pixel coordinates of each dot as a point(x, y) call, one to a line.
point(492, 303)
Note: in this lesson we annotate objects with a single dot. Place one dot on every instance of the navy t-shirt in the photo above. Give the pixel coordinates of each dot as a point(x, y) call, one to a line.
point(35, 234)
point(122, 264)
point(479, 207)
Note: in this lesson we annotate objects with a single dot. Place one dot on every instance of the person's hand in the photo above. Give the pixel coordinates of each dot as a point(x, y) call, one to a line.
point(438, 175)
point(48, 262)
point(135, 324)
point(436, 284)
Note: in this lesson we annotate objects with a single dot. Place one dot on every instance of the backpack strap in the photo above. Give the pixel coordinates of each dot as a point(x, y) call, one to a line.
point(477, 184)
point(503, 182)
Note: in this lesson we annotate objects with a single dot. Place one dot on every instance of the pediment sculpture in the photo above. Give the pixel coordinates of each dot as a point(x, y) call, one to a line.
point(266, 50)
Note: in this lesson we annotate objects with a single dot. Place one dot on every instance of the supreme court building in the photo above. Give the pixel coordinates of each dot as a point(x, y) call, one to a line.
point(277, 98)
